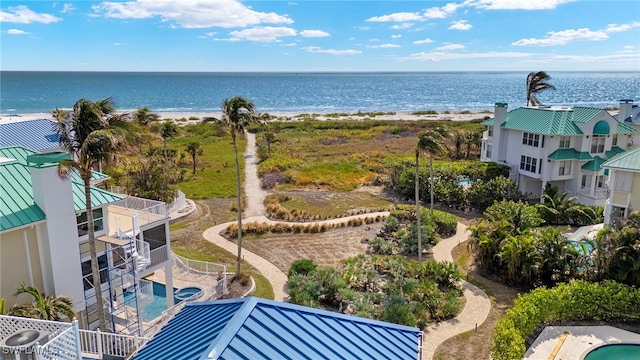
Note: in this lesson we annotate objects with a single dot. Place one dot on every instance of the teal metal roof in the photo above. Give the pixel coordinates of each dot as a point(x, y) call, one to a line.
point(601, 128)
point(615, 150)
point(569, 154)
point(17, 206)
point(629, 160)
point(21, 154)
point(99, 197)
point(253, 328)
point(594, 165)
point(549, 121)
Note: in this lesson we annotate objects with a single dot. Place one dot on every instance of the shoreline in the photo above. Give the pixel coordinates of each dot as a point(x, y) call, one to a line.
point(185, 117)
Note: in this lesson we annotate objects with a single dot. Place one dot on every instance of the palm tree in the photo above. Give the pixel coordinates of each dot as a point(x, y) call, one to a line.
point(237, 114)
point(90, 132)
point(429, 141)
point(472, 139)
point(144, 116)
point(194, 149)
point(536, 83)
point(167, 131)
point(54, 308)
point(460, 139)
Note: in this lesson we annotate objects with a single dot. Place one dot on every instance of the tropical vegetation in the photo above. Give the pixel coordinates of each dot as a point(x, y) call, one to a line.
point(43, 307)
point(537, 82)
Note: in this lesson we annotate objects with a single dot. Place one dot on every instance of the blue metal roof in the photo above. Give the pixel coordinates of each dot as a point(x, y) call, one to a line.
point(35, 134)
point(254, 328)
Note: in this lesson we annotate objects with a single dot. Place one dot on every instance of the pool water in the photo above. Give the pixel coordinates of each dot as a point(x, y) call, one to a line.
point(159, 304)
point(615, 351)
point(465, 182)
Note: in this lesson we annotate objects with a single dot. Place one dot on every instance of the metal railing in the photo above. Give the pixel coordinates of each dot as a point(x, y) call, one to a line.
point(159, 255)
point(179, 201)
point(149, 210)
point(598, 194)
point(97, 344)
point(198, 266)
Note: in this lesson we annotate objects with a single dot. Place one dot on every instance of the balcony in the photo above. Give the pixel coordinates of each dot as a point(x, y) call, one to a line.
point(149, 211)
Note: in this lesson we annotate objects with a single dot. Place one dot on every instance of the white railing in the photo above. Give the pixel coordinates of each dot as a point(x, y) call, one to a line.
point(97, 344)
point(598, 194)
point(179, 202)
point(149, 210)
point(201, 267)
point(145, 294)
point(159, 255)
point(66, 345)
point(9, 325)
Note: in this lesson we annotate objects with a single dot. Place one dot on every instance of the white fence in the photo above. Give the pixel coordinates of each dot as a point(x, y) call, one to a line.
point(96, 344)
point(201, 267)
point(179, 202)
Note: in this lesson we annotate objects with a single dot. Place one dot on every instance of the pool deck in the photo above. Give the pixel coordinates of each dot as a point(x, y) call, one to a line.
point(574, 342)
point(182, 279)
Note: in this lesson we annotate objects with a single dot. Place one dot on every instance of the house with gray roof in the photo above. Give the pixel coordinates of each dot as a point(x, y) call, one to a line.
point(35, 134)
point(564, 147)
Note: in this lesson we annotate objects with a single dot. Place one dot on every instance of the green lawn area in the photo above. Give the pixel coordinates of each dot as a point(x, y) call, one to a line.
point(334, 203)
point(206, 251)
point(216, 174)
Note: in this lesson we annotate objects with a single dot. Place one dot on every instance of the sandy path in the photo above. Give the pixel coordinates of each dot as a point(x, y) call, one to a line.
point(252, 188)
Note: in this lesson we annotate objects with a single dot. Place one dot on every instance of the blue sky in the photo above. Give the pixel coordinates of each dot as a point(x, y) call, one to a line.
point(301, 35)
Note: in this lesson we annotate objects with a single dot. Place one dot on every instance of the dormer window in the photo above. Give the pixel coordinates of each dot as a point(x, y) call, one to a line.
point(565, 142)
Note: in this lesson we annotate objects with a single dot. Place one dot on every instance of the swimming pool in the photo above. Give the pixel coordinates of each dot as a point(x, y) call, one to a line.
point(159, 303)
point(615, 351)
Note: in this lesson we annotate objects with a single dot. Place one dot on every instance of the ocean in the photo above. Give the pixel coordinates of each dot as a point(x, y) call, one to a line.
point(37, 92)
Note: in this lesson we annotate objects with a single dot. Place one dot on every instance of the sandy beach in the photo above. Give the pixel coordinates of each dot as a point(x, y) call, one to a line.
point(191, 117)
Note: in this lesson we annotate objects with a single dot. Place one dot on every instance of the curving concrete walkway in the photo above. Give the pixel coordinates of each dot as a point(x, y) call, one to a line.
point(476, 308)
point(477, 304)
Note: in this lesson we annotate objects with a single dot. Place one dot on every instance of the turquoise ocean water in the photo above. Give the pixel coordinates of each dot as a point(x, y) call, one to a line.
point(28, 92)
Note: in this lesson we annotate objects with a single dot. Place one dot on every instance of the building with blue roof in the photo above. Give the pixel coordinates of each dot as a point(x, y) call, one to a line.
point(557, 146)
point(35, 134)
point(255, 328)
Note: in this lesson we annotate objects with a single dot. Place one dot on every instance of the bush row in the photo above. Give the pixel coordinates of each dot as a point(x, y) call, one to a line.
point(575, 301)
point(276, 211)
point(311, 228)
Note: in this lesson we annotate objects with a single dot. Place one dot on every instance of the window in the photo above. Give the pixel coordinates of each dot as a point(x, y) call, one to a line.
point(87, 277)
point(586, 181)
point(488, 152)
point(490, 130)
point(599, 181)
point(564, 167)
point(531, 139)
point(83, 227)
point(565, 142)
point(597, 144)
point(528, 164)
point(614, 140)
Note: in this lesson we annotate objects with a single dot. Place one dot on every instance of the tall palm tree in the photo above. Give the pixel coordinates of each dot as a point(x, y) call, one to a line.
point(91, 132)
point(54, 308)
point(431, 142)
point(167, 131)
point(472, 139)
point(193, 148)
point(537, 83)
point(237, 114)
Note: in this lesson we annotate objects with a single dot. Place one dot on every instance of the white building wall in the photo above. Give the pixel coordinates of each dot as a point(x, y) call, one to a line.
point(55, 197)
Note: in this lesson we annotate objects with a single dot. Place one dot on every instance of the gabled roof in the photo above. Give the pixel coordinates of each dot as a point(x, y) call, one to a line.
point(569, 154)
point(253, 328)
point(594, 165)
point(37, 134)
point(629, 160)
point(549, 121)
point(21, 153)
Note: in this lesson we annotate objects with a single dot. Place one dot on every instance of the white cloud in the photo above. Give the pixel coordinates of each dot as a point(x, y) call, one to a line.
point(623, 27)
point(363, 28)
point(207, 35)
point(289, 44)
point(564, 37)
point(67, 8)
point(263, 34)
point(441, 56)
point(23, 15)
point(292, 3)
point(383, 46)
point(396, 36)
point(516, 4)
point(420, 42)
point(313, 33)
point(17, 32)
point(441, 12)
point(319, 50)
point(449, 47)
point(396, 17)
point(460, 25)
point(401, 26)
point(191, 13)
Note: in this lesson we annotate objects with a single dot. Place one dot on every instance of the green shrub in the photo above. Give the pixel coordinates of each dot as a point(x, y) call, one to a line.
point(302, 267)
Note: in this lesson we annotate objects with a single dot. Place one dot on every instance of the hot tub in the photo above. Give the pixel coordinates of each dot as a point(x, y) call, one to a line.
point(188, 293)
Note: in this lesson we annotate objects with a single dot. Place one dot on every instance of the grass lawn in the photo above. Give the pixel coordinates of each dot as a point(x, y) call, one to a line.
point(206, 251)
point(331, 203)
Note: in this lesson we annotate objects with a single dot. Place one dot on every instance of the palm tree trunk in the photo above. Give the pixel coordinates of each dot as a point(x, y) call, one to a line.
point(431, 180)
point(238, 194)
point(419, 230)
point(95, 269)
